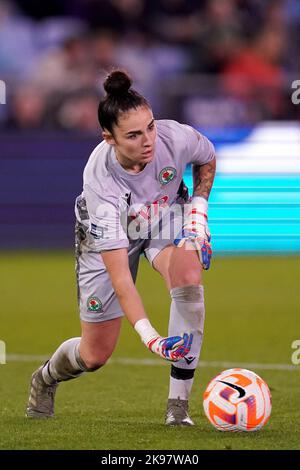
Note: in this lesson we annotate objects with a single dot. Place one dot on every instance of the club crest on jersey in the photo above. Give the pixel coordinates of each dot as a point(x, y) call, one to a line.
point(167, 174)
point(94, 304)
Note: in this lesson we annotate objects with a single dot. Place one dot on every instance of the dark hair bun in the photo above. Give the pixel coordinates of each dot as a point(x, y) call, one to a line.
point(117, 83)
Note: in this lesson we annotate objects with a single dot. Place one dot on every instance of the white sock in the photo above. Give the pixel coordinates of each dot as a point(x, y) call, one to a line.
point(65, 364)
point(186, 316)
point(180, 388)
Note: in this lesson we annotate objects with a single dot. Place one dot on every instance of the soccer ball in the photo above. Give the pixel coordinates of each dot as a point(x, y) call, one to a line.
point(237, 400)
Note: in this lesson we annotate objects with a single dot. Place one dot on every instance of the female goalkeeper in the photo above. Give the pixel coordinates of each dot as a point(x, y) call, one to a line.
point(134, 202)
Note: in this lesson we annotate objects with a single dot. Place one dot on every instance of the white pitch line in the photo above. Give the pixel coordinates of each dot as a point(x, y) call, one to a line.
point(126, 361)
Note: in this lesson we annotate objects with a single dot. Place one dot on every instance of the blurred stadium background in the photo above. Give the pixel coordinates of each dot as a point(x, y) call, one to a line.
point(225, 67)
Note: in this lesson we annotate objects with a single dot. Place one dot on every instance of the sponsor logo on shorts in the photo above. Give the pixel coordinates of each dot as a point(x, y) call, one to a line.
point(167, 174)
point(94, 304)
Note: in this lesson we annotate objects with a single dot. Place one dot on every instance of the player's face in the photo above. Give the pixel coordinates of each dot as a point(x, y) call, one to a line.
point(134, 137)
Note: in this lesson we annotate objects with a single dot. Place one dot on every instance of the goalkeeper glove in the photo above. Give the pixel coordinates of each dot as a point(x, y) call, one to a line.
point(172, 348)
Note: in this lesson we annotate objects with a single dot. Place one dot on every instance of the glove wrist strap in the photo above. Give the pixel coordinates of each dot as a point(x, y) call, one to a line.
point(146, 331)
point(196, 214)
point(200, 204)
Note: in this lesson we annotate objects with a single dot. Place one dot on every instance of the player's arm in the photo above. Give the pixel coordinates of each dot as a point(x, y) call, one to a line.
point(197, 219)
point(195, 233)
point(203, 176)
point(117, 265)
point(195, 229)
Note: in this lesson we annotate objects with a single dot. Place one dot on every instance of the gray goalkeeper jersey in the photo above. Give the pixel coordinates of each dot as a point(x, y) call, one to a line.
point(113, 199)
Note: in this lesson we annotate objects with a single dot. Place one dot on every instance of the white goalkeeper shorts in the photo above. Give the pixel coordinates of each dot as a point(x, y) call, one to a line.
point(97, 300)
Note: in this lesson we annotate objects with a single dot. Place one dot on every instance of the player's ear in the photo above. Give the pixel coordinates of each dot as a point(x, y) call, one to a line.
point(108, 137)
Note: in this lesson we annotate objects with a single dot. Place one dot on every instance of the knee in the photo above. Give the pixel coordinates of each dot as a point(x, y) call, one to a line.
point(186, 277)
point(94, 361)
point(92, 365)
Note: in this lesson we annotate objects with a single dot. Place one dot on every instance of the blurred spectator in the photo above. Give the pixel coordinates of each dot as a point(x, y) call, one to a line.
point(275, 14)
point(252, 15)
point(178, 51)
point(132, 14)
point(103, 49)
point(17, 49)
point(28, 110)
point(257, 73)
point(151, 63)
point(79, 112)
point(120, 16)
point(292, 9)
point(97, 13)
point(174, 21)
point(219, 38)
point(64, 69)
point(52, 32)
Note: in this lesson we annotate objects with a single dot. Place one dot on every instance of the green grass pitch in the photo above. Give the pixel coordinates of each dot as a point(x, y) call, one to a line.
point(252, 317)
